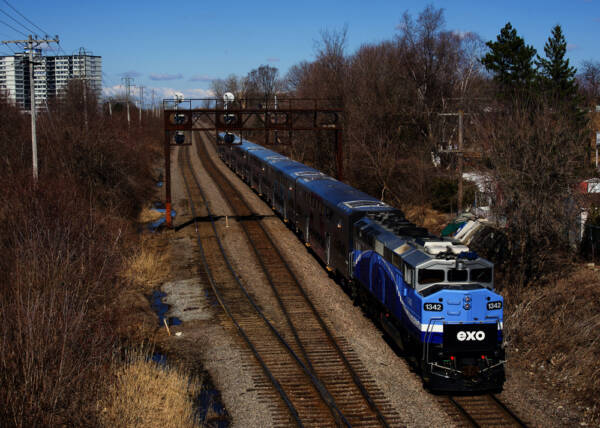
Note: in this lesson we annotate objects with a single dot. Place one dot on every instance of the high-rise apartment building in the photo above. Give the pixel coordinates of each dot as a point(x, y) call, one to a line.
point(51, 76)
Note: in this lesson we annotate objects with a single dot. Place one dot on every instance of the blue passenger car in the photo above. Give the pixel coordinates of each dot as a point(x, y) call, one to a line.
point(433, 296)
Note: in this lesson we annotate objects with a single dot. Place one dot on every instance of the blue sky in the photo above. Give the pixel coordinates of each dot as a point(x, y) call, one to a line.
point(182, 45)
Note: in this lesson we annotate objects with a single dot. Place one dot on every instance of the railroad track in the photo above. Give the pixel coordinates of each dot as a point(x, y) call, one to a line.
point(312, 377)
point(485, 410)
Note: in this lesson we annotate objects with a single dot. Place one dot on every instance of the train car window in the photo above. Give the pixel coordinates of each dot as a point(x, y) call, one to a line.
point(455, 275)
point(481, 275)
point(430, 276)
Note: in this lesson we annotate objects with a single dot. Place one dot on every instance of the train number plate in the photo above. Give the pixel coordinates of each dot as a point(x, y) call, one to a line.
point(494, 305)
point(434, 307)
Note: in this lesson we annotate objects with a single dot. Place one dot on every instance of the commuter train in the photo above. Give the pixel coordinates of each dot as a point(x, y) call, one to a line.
point(433, 296)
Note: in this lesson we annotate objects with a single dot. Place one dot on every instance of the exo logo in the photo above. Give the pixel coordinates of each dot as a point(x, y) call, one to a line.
point(470, 335)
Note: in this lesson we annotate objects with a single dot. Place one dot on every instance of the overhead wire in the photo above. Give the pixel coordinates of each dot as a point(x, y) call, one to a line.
point(24, 26)
point(24, 17)
point(13, 28)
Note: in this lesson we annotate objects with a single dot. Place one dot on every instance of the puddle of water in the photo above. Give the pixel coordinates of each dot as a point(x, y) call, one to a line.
point(155, 225)
point(210, 410)
point(161, 309)
point(159, 359)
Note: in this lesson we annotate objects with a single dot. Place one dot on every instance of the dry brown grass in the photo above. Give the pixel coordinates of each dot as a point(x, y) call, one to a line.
point(552, 332)
point(147, 265)
point(145, 394)
point(148, 214)
point(427, 217)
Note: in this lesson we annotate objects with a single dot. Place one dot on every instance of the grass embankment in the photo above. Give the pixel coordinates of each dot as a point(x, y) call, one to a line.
point(552, 331)
point(70, 252)
point(147, 395)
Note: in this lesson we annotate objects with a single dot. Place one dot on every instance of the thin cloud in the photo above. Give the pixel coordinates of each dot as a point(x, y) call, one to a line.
point(112, 91)
point(165, 76)
point(201, 78)
point(169, 93)
point(198, 93)
point(572, 46)
point(273, 59)
point(131, 73)
point(462, 34)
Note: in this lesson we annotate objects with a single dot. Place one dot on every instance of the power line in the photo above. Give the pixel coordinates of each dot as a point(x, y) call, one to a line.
point(13, 28)
point(25, 18)
point(31, 44)
point(28, 29)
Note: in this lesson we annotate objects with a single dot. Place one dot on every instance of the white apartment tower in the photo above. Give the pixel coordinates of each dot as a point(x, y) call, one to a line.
point(51, 73)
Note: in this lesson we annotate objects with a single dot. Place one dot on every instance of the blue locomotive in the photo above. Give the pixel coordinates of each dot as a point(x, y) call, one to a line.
point(433, 296)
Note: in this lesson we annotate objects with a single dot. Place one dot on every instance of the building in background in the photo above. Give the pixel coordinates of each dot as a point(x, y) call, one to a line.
point(51, 73)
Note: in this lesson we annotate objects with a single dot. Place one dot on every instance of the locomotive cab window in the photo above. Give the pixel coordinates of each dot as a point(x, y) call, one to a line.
point(409, 275)
point(481, 275)
point(456, 275)
point(430, 276)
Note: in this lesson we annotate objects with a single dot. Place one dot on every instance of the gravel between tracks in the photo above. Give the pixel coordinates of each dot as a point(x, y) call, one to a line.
point(402, 387)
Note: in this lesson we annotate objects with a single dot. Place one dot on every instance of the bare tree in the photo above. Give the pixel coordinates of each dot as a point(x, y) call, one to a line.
point(262, 82)
point(589, 80)
point(534, 151)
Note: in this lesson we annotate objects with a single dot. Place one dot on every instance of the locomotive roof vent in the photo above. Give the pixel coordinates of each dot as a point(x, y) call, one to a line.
point(438, 247)
point(365, 204)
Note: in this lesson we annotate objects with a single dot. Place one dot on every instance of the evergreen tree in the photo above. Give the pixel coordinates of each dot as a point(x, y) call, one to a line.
point(555, 74)
point(510, 60)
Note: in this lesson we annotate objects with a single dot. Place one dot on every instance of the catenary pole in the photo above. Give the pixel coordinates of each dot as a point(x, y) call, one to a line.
point(31, 43)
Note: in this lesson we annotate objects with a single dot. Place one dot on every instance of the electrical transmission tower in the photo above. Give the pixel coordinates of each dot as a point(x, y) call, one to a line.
point(32, 43)
point(127, 81)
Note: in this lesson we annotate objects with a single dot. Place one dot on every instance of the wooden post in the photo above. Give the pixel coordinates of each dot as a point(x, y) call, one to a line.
point(168, 218)
point(460, 160)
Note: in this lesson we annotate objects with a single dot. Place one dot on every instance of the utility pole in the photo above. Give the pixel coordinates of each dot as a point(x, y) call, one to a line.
point(141, 101)
point(31, 43)
point(153, 106)
point(459, 153)
point(460, 160)
point(82, 56)
point(127, 80)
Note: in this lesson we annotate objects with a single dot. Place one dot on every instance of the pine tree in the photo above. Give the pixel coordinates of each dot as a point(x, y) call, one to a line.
point(510, 60)
point(555, 74)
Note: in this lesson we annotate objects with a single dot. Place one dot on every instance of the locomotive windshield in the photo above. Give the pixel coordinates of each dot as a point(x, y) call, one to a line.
point(437, 277)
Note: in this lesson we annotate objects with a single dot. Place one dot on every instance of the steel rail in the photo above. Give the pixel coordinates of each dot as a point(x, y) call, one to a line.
point(313, 309)
point(506, 416)
point(464, 412)
point(507, 410)
point(326, 396)
point(226, 308)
